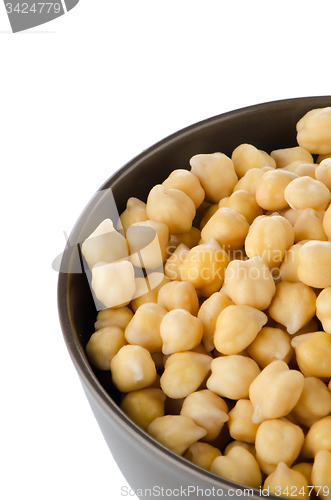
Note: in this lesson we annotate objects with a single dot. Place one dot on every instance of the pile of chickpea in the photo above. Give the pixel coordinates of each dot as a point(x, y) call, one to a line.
point(221, 343)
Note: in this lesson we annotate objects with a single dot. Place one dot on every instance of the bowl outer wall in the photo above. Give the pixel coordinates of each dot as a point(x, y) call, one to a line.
point(144, 462)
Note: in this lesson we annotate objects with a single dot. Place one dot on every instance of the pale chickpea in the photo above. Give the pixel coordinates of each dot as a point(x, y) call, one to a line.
point(320, 475)
point(144, 406)
point(174, 262)
point(314, 402)
point(242, 444)
point(230, 337)
point(104, 345)
point(287, 482)
point(176, 432)
point(144, 328)
point(189, 239)
point(307, 169)
point(114, 283)
point(180, 331)
point(208, 314)
point(313, 354)
point(277, 440)
point(271, 344)
point(291, 214)
point(314, 267)
point(244, 203)
point(232, 375)
point(327, 223)
point(171, 207)
point(240, 466)
point(147, 289)
point(318, 438)
point(179, 295)
point(246, 156)
point(270, 189)
point(284, 157)
point(314, 131)
point(275, 391)
point(305, 192)
point(249, 282)
point(132, 368)
point(113, 317)
point(293, 305)
point(207, 410)
point(208, 214)
point(188, 183)
point(202, 454)
point(148, 243)
point(221, 227)
point(323, 172)
point(289, 266)
point(216, 174)
point(323, 310)
point(305, 468)
point(309, 226)
point(135, 212)
point(241, 426)
point(183, 373)
point(250, 179)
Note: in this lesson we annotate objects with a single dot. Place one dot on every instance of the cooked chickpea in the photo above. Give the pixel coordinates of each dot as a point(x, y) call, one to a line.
point(270, 189)
point(313, 354)
point(309, 226)
point(242, 444)
point(314, 402)
point(114, 283)
point(305, 468)
point(305, 192)
point(327, 223)
point(147, 289)
point(216, 174)
point(204, 267)
point(314, 267)
point(318, 438)
point(250, 179)
point(135, 212)
point(287, 482)
point(271, 344)
point(189, 239)
point(323, 310)
point(183, 373)
point(307, 169)
point(221, 227)
point(277, 440)
point(132, 368)
point(246, 156)
point(180, 331)
point(241, 426)
point(275, 391)
point(314, 131)
point(113, 317)
point(144, 328)
point(323, 172)
point(208, 314)
point(174, 262)
point(144, 406)
point(179, 295)
point(249, 282)
point(148, 243)
point(284, 157)
point(207, 410)
point(320, 475)
point(171, 207)
point(230, 337)
point(209, 212)
point(104, 345)
point(232, 375)
point(240, 466)
point(202, 454)
point(176, 432)
point(244, 203)
point(293, 305)
point(188, 183)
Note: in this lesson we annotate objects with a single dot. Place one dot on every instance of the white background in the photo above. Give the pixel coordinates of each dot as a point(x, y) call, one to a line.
point(79, 97)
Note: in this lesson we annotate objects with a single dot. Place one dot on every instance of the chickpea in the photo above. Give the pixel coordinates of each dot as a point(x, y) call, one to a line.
point(114, 283)
point(239, 466)
point(318, 438)
point(204, 267)
point(147, 289)
point(284, 157)
point(174, 263)
point(244, 203)
point(208, 214)
point(144, 328)
point(202, 454)
point(293, 305)
point(189, 239)
point(176, 432)
point(275, 391)
point(307, 169)
point(314, 402)
point(179, 295)
point(309, 226)
point(104, 345)
point(327, 223)
point(240, 422)
point(289, 266)
point(144, 406)
point(148, 243)
point(271, 344)
point(314, 267)
point(188, 183)
point(269, 237)
point(323, 172)
point(208, 314)
point(314, 131)
point(180, 331)
point(320, 475)
point(242, 444)
point(183, 373)
point(132, 368)
point(291, 215)
point(207, 410)
point(277, 440)
point(250, 283)
point(270, 189)
point(216, 174)
point(105, 245)
point(287, 482)
point(221, 227)
point(305, 468)
point(232, 375)
point(305, 192)
point(113, 317)
point(246, 156)
point(313, 354)
point(171, 207)
point(323, 311)
point(230, 337)
point(135, 212)
point(250, 179)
